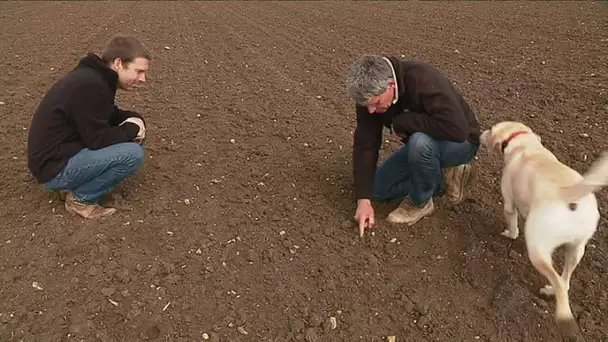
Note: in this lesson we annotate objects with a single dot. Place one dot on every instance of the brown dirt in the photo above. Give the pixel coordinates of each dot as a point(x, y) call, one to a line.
point(254, 73)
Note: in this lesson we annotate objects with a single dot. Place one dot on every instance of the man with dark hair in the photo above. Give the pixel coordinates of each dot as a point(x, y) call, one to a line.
point(437, 126)
point(79, 140)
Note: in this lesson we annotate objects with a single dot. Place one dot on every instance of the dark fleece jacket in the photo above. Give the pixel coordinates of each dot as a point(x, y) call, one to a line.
point(77, 112)
point(427, 102)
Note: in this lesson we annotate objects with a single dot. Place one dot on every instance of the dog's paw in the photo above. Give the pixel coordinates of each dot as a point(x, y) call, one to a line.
point(568, 328)
point(508, 233)
point(547, 291)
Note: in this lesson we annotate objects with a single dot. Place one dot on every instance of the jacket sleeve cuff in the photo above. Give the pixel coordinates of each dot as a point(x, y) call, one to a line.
point(131, 129)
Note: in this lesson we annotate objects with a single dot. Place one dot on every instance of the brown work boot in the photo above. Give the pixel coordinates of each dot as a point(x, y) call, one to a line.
point(63, 194)
point(89, 211)
point(457, 180)
point(409, 213)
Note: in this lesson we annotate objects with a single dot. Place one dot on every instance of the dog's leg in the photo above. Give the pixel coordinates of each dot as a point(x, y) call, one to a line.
point(574, 254)
point(541, 259)
point(510, 213)
point(509, 210)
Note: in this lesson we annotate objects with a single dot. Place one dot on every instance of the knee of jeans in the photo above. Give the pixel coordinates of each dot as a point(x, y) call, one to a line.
point(420, 145)
point(134, 153)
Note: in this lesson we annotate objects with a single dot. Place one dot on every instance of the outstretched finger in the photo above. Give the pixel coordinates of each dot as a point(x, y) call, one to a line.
point(362, 222)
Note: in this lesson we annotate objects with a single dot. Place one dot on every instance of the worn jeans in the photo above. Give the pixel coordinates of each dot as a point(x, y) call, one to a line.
point(92, 173)
point(416, 169)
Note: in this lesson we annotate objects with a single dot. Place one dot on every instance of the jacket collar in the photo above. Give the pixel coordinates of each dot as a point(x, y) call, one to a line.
point(399, 71)
point(396, 97)
point(93, 61)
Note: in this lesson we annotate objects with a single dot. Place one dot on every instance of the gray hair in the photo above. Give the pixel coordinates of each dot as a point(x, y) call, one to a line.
point(368, 76)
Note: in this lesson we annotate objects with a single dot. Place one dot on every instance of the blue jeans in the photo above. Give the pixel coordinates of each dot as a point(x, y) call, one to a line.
point(90, 174)
point(416, 169)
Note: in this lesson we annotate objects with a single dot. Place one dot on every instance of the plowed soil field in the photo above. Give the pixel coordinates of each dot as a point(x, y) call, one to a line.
point(237, 228)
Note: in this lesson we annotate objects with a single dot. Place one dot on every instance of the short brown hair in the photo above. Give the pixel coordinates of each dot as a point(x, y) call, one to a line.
point(124, 47)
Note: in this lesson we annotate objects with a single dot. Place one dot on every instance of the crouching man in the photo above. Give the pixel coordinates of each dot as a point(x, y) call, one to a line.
point(79, 140)
point(437, 126)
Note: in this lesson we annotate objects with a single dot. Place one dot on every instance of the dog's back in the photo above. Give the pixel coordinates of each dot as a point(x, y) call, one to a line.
point(555, 222)
point(536, 175)
point(562, 205)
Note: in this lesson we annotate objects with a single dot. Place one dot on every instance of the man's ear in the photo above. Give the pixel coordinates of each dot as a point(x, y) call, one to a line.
point(117, 63)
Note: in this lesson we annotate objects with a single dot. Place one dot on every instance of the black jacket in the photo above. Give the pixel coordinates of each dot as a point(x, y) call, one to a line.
point(427, 102)
point(77, 112)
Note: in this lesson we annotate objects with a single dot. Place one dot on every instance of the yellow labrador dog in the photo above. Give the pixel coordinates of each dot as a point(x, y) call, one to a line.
point(557, 203)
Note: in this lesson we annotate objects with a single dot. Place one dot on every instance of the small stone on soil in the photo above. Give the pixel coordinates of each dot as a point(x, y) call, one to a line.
point(108, 291)
point(333, 322)
point(347, 224)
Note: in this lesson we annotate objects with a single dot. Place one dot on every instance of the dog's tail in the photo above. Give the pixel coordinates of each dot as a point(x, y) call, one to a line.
point(593, 180)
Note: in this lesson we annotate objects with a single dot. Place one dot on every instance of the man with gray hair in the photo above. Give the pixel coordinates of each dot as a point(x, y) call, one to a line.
point(439, 130)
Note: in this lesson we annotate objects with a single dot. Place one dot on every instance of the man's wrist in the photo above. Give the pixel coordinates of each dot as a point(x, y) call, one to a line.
point(363, 200)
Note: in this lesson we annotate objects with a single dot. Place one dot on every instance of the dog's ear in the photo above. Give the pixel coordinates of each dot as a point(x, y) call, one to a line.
point(496, 145)
point(483, 137)
point(488, 139)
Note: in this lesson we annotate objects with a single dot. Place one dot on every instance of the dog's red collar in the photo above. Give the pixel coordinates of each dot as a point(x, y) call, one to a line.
point(513, 136)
